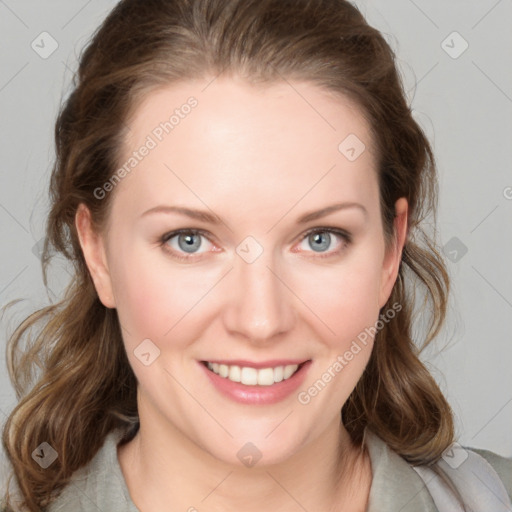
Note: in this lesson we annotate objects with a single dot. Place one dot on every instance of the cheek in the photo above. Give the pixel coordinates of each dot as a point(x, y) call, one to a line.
point(347, 303)
point(344, 296)
point(154, 294)
point(146, 298)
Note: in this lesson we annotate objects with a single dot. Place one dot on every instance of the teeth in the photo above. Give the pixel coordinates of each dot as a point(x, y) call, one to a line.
point(252, 376)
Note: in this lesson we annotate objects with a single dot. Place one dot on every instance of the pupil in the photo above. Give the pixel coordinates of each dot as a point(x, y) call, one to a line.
point(317, 237)
point(187, 243)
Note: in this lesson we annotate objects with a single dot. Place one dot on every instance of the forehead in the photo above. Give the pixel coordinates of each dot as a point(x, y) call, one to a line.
point(228, 139)
point(233, 106)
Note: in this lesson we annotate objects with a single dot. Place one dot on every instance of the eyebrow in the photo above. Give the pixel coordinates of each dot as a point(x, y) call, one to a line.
point(212, 218)
point(317, 214)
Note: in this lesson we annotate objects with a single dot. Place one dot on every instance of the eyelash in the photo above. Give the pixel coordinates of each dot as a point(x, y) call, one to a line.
point(346, 237)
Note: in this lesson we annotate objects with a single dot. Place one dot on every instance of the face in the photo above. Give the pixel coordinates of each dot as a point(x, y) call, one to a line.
point(255, 281)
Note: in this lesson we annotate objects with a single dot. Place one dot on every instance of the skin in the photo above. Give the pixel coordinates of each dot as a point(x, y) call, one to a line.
point(259, 158)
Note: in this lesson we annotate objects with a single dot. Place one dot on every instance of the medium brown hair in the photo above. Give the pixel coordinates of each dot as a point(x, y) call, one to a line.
point(86, 387)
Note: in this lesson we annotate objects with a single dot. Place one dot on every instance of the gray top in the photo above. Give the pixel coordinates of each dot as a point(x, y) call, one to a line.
point(100, 486)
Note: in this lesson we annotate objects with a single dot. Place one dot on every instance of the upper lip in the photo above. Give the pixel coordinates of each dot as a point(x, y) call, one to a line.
point(272, 363)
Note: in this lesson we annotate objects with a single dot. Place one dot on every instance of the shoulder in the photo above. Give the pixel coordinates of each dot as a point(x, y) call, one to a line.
point(397, 485)
point(481, 483)
point(97, 486)
point(502, 466)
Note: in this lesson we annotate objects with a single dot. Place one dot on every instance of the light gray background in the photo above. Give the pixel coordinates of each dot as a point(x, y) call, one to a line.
point(464, 102)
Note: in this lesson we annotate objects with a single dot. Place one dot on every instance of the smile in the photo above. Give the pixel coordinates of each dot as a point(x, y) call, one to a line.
point(253, 376)
point(262, 383)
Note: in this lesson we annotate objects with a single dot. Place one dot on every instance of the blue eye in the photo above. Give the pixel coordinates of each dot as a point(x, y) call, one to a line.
point(190, 242)
point(186, 240)
point(320, 240)
point(183, 244)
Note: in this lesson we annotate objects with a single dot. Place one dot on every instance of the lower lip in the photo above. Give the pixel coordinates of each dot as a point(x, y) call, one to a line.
point(262, 395)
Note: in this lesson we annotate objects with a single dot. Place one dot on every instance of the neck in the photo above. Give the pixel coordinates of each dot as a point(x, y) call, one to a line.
point(163, 467)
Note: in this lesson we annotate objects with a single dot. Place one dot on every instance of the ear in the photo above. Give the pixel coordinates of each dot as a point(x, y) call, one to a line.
point(392, 259)
point(93, 249)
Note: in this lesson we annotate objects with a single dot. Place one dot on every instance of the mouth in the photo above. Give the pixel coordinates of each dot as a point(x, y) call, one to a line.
point(255, 374)
point(250, 383)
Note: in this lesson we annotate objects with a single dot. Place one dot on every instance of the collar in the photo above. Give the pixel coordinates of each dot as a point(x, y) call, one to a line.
point(396, 487)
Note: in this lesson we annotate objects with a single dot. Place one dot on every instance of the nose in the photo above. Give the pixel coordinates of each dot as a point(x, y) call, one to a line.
point(260, 305)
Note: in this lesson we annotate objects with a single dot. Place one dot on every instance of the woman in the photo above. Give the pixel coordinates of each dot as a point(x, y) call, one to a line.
point(240, 185)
